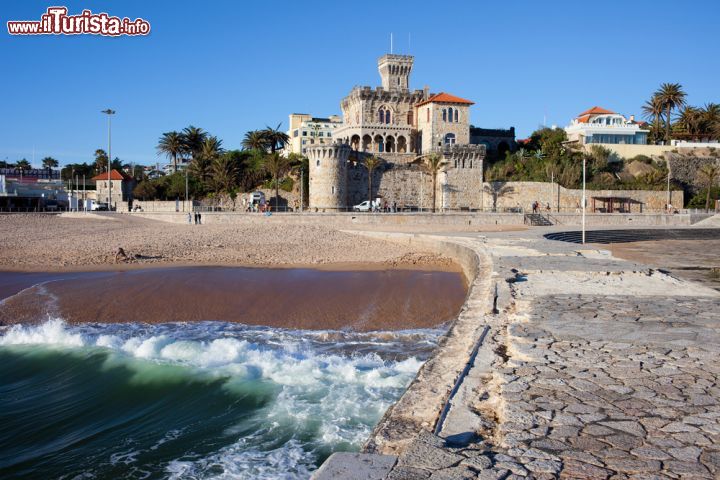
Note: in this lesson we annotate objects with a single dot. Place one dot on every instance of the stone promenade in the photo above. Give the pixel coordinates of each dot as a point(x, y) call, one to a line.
point(593, 367)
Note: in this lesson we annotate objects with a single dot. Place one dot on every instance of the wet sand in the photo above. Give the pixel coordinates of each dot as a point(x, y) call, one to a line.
point(362, 300)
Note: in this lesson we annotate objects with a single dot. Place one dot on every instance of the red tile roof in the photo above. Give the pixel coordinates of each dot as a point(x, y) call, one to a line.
point(443, 97)
point(595, 111)
point(114, 175)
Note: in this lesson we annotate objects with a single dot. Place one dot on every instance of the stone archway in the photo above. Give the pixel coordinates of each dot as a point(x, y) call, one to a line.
point(390, 144)
point(401, 144)
point(366, 143)
point(355, 142)
point(379, 146)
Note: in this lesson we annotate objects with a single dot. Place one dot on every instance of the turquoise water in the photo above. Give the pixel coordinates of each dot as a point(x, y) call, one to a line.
point(193, 400)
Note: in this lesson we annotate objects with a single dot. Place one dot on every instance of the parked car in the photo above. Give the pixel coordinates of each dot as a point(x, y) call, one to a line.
point(99, 207)
point(365, 206)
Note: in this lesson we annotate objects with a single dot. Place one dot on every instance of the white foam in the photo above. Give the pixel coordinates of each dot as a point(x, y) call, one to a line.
point(333, 398)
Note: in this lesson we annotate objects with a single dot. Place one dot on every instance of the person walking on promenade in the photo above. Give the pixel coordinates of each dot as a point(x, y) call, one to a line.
point(199, 218)
point(189, 218)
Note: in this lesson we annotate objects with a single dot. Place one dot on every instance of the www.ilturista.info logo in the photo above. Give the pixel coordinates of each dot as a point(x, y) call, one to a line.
point(57, 22)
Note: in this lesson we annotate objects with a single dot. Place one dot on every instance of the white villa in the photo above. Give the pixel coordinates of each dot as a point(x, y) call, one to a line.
point(598, 125)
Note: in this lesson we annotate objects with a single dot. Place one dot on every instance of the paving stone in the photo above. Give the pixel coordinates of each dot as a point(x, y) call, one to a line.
point(685, 454)
point(578, 470)
point(631, 427)
point(633, 466)
point(461, 472)
point(650, 453)
point(543, 466)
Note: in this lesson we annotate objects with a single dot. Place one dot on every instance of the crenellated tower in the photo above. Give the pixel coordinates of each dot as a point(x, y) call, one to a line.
point(328, 176)
point(395, 71)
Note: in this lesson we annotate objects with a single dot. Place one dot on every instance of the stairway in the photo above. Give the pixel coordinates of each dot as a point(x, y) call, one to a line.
point(537, 220)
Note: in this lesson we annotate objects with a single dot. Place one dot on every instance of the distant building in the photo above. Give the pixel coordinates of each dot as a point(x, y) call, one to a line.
point(497, 141)
point(598, 125)
point(31, 190)
point(121, 187)
point(306, 130)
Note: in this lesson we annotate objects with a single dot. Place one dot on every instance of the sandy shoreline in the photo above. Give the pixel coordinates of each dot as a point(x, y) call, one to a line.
point(51, 243)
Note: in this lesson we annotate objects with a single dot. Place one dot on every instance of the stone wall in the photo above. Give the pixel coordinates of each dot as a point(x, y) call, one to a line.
point(521, 195)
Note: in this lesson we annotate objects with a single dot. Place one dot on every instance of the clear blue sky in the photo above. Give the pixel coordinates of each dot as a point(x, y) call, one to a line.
point(231, 66)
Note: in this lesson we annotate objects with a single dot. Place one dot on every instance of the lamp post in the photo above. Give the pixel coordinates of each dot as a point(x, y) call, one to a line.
point(583, 202)
point(109, 113)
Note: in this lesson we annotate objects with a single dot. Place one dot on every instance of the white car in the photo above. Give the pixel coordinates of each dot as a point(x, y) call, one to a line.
point(365, 206)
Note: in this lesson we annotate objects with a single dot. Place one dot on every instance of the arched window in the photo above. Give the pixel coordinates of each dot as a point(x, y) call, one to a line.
point(444, 115)
point(317, 163)
point(456, 115)
point(410, 117)
point(381, 115)
point(450, 139)
point(450, 115)
point(387, 117)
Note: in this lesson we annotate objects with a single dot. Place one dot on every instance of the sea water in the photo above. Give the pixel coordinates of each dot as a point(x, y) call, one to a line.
point(193, 400)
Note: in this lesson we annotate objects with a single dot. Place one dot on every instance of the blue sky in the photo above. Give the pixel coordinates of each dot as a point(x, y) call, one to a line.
point(231, 66)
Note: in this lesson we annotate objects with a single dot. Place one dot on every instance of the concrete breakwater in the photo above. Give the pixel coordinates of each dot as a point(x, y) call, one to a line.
point(420, 407)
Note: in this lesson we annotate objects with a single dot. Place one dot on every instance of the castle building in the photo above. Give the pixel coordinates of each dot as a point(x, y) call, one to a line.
point(399, 126)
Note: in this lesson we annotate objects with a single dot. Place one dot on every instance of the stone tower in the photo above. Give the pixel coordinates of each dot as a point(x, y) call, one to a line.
point(328, 176)
point(395, 71)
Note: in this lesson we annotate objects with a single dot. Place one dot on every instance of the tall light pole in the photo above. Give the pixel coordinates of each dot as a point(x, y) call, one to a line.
point(668, 189)
point(583, 202)
point(109, 113)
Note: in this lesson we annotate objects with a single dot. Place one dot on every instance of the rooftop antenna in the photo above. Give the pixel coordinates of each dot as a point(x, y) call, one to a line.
point(391, 43)
point(409, 49)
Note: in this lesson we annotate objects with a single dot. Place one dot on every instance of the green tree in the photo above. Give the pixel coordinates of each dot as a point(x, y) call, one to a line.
point(201, 165)
point(172, 145)
point(652, 111)
point(224, 173)
point(193, 139)
point(708, 177)
point(371, 163)
point(255, 140)
point(23, 164)
point(672, 97)
point(101, 161)
point(433, 164)
point(145, 190)
point(49, 163)
point(691, 121)
point(277, 166)
point(275, 138)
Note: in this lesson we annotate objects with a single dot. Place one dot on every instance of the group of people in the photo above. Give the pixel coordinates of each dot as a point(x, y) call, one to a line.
point(197, 216)
point(536, 206)
point(384, 207)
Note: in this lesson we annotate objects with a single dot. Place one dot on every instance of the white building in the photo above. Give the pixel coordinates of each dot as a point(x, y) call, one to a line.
point(598, 125)
point(306, 130)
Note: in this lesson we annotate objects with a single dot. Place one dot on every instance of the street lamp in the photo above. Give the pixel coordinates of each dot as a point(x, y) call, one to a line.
point(109, 113)
point(583, 201)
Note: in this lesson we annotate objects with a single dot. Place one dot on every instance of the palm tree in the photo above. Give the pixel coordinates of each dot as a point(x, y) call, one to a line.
point(277, 166)
point(711, 114)
point(193, 139)
point(275, 138)
point(652, 111)
point(371, 163)
point(23, 165)
point(224, 174)
point(49, 162)
point(172, 145)
point(433, 164)
point(708, 176)
point(201, 166)
point(255, 140)
point(101, 160)
point(691, 120)
point(671, 96)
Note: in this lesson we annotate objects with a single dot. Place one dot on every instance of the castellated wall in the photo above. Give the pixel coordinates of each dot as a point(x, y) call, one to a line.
point(328, 176)
point(411, 187)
